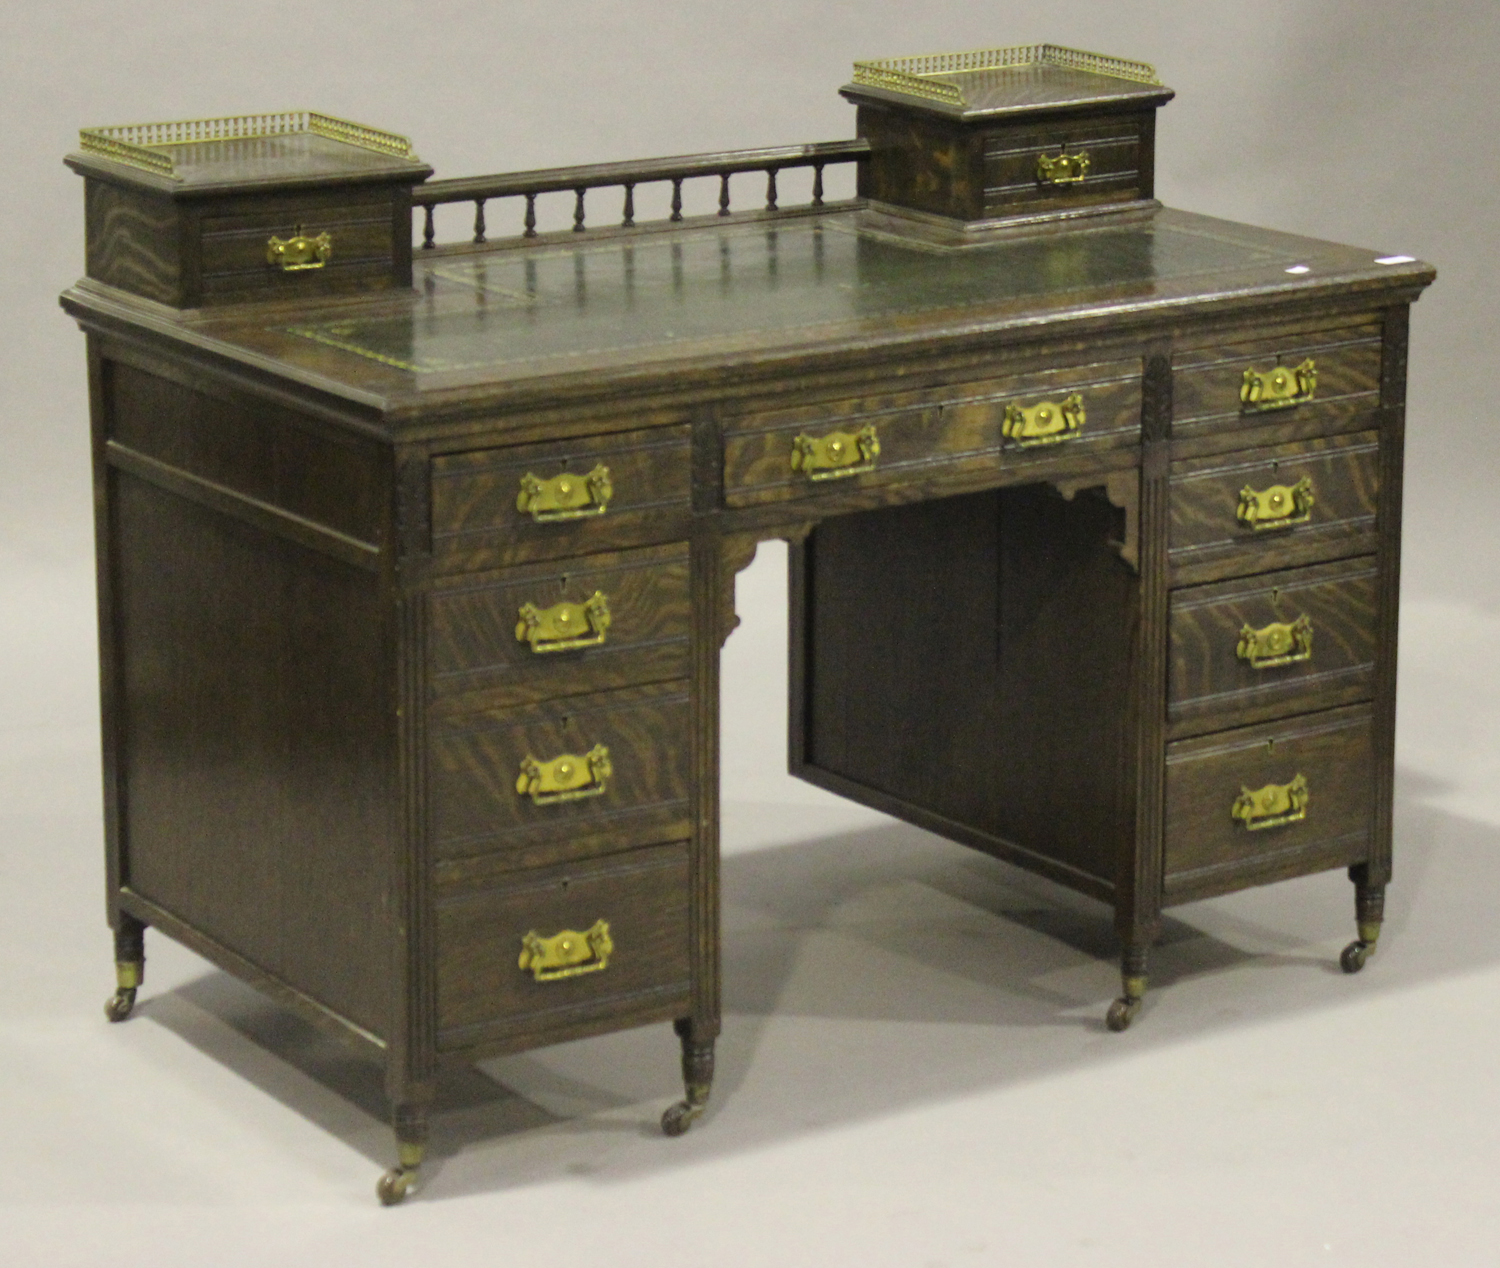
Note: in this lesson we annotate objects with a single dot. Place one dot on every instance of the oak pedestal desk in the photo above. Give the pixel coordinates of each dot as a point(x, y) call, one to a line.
point(413, 577)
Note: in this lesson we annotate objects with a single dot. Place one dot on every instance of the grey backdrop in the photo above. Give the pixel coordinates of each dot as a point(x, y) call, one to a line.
point(1368, 121)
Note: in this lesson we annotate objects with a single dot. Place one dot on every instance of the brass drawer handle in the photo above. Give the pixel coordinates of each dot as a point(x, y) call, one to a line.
point(567, 496)
point(838, 454)
point(564, 626)
point(1271, 806)
point(1279, 387)
point(565, 778)
point(568, 953)
point(1280, 506)
point(1280, 643)
point(300, 251)
point(1062, 169)
point(1046, 423)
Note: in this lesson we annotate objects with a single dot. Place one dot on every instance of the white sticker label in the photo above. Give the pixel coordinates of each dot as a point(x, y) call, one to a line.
point(1396, 259)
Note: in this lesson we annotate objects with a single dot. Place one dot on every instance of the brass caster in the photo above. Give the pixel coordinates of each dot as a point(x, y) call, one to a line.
point(395, 1184)
point(678, 1118)
point(1121, 1013)
point(1355, 954)
point(119, 1005)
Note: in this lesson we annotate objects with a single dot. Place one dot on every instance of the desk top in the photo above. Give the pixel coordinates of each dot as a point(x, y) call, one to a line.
point(488, 323)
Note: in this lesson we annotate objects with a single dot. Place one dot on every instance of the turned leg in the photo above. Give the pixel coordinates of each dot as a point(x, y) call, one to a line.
point(1133, 982)
point(1369, 912)
point(410, 1121)
point(130, 967)
point(697, 1078)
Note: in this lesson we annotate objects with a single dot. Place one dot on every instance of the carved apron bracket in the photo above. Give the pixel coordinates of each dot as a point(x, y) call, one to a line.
point(1123, 490)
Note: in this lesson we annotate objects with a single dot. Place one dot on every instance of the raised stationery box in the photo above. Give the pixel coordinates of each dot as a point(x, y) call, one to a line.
point(989, 137)
point(213, 211)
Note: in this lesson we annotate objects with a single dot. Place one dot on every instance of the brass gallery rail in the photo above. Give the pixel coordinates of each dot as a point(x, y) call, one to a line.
point(481, 189)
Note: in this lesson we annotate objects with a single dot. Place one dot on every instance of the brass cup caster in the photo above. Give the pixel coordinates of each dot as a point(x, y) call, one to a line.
point(678, 1118)
point(127, 979)
point(1122, 1012)
point(395, 1184)
point(1353, 957)
point(401, 1179)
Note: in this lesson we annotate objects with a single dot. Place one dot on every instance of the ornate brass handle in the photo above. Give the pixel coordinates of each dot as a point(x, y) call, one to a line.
point(567, 496)
point(1279, 387)
point(567, 954)
point(565, 778)
point(1280, 506)
point(1062, 169)
point(1280, 643)
point(1271, 806)
point(1045, 423)
point(838, 454)
point(564, 626)
point(300, 251)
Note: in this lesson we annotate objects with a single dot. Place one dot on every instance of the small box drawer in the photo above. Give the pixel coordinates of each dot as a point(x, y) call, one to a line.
point(1325, 822)
point(482, 516)
point(633, 793)
point(1332, 515)
point(1281, 642)
point(584, 625)
point(1014, 183)
point(234, 261)
point(954, 429)
point(625, 920)
point(1208, 411)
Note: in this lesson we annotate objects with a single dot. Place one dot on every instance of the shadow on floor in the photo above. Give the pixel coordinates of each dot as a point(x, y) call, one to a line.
point(872, 972)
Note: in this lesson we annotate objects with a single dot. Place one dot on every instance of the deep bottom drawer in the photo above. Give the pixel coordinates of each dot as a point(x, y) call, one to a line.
point(1264, 802)
point(625, 922)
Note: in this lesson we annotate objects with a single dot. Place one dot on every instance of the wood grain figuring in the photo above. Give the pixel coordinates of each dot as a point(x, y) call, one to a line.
point(1206, 539)
point(1207, 851)
point(478, 663)
point(482, 993)
point(258, 750)
point(1211, 687)
point(132, 241)
point(476, 524)
point(927, 433)
point(1010, 165)
point(1209, 379)
point(919, 162)
point(253, 447)
point(474, 761)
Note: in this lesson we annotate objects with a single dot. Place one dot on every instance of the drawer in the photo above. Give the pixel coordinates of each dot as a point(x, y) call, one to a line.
point(484, 517)
point(924, 434)
point(235, 245)
point(1113, 146)
point(1208, 538)
point(1208, 384)
point(1211, 849)
point(553, 630)
point(1276, 643)
point(633, 793)
point(622, 956)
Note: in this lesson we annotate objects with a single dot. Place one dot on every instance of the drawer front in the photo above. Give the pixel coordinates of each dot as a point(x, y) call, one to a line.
point(921, 434)
point(625, 922)
point(1011, 178)
point(1277, 643)
point(1210, 850)
point(556, 630)
point(478, 520)
point(1209, 382)
point(477, 760)
point(1208, 538)
point(234, 241)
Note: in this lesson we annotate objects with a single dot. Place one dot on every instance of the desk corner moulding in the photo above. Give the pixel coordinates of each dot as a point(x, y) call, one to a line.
point(415, 558)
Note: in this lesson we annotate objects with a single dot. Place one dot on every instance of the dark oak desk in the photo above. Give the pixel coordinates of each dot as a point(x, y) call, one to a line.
point(412, 599)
